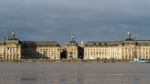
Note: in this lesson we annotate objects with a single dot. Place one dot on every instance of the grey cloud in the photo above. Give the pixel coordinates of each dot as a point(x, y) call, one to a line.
point(86, 19)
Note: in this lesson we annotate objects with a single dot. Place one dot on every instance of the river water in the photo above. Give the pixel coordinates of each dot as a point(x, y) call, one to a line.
point(75, 73)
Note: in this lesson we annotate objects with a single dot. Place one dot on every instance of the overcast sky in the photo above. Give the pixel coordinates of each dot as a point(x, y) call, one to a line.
point(87, 20)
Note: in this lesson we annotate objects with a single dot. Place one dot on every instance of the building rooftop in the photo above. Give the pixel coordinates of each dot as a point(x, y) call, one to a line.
point(72, 42)
point(39, 43)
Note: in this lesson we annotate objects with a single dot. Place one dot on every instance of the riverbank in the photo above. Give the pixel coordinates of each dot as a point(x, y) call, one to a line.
point(64, 61)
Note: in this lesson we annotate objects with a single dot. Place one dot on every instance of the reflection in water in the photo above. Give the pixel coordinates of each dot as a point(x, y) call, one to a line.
point(74, 74)
point(28, 78)
point(62, 78)
point(9, 79)
point(74, 78)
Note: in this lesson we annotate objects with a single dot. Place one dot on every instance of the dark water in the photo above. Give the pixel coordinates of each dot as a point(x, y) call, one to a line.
point(92, 73)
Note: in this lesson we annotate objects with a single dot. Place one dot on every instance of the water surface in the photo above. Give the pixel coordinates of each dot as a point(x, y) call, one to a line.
point(79, 73)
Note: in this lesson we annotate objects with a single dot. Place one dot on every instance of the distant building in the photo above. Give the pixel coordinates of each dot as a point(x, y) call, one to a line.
point(119, 50)
point(10, 48)
point(72, 49)
point(128, 49)
point(40, 50)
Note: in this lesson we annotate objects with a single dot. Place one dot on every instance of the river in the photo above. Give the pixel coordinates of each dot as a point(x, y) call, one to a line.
point(75, 73)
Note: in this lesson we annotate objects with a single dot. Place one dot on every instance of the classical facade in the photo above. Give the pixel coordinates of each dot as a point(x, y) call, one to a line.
point(119, 50)
point(72, 49)
point(128, 49)
point(40, 50)
point(10, 48)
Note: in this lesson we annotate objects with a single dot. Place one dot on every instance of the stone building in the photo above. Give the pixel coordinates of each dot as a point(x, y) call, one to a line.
point(40, 50)
point(128, 49)
point(72, 49)
point(119, 50)
point(10, 48)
